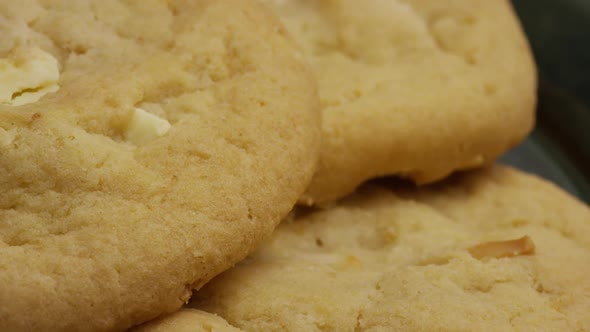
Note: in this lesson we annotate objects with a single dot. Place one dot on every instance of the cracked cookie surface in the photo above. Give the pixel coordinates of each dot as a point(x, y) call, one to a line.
point(492, 250)
point(415, 88)
point(158, 143)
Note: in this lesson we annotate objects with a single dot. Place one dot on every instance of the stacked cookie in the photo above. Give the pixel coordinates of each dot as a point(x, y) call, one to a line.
point(146, 147)
point(149, 149)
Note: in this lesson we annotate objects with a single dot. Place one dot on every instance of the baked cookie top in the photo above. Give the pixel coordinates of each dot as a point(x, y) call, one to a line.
point(187, 320)
point(415, 88)
point(494, 250)
point(145, 146)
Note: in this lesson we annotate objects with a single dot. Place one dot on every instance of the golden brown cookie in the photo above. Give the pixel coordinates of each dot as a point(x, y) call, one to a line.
point(145, 146)
point(414, 88)
point(492, 250)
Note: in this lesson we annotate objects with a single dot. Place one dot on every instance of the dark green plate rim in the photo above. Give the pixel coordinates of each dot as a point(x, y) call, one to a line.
point(559, 147)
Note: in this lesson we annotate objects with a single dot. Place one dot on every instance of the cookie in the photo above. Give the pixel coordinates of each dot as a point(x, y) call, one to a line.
point(414, 88)
point(187, 320)
point(493, 250)
point(145, 146)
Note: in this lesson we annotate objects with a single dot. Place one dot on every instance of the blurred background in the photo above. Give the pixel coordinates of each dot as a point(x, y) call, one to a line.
point(559, 148)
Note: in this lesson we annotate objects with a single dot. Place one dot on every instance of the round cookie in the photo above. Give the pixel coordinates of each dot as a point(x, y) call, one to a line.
point(415, 88)
point(145, 146)
point(187, 320)
point(493, 250)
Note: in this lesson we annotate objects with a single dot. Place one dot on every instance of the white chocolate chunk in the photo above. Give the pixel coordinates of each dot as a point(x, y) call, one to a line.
point(26, 75)
point(33, 96)
point(145, 127)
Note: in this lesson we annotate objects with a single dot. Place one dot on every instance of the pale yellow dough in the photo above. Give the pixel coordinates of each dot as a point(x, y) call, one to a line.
point(415, 88)
point(110, 216)
point(420, 260)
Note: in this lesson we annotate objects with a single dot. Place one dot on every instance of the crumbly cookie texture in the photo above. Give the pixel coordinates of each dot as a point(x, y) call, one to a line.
point(187, 320)
point(493, 250)
point(415, 88)
point(175, 136)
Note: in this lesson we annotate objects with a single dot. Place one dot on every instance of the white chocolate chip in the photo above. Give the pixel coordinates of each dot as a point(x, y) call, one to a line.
point(26, 75)
point(145, 127)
